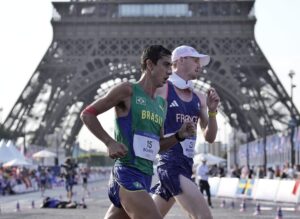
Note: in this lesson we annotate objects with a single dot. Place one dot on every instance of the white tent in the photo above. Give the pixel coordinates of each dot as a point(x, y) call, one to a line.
point(17, 154)
point(6, 154)
point(44, 154)
point(17, 162)
point(210, 159)
point(2, 142)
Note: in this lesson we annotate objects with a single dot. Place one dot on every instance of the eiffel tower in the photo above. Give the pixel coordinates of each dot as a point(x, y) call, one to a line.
point(97, 44)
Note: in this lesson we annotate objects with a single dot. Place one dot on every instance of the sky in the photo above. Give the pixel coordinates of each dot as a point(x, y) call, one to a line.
point(26, 34)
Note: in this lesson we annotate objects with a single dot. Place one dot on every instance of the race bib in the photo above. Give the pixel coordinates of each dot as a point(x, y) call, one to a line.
point(145, 145)
point(188, 147)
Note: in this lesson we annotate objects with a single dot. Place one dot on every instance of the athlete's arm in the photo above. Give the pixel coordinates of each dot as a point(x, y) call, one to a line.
point(118, 97)
point(187, 129)
point(207, 123)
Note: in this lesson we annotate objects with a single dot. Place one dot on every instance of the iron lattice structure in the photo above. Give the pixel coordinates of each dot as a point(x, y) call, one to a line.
point(97, 44)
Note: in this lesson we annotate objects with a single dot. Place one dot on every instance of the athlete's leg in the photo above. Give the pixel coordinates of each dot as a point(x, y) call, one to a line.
point(163, 205)
point(138, 204)
point(192, 200)
point(115, 213)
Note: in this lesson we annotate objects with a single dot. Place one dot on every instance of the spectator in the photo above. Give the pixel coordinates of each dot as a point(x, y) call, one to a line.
point(251, 172)
point(202, 173)
point(245, 172)
point(43, 181)
point(277, 171)
point(270, 173)
point(214, 170)
point(235, 172)
point(261, 172)
point(221, 171)
point(69, 173)
point(85, 175)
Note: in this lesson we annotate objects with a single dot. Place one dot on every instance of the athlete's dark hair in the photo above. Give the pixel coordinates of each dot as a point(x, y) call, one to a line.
point(154, 53)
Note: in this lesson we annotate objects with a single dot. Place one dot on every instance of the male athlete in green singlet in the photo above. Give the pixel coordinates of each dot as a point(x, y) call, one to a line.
point(138, 135)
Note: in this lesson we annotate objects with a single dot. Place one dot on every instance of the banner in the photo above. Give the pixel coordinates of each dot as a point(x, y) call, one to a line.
point(245, 187)
point(296, 187)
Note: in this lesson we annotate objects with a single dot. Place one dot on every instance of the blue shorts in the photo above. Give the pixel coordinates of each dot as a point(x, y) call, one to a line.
point(130, 179)
point(169, 184)
point(43, 182)
point(69, 184)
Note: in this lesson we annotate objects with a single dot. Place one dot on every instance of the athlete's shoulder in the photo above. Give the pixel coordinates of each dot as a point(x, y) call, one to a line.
point(123, 89)
point(126, 85)
point(201, 96)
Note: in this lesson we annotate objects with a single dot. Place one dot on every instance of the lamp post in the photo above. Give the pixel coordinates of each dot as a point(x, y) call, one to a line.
point(247, 149)
point(57, 135)
point(227, 145)
point(265, 147)
point(291, 75)
point(234, 147)
point(292, 122)
point(24, 143)
point(25, 117)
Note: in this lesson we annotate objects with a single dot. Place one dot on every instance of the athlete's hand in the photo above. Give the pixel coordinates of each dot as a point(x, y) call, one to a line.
point(116, 150)
point(212, 100)
point(188, 129)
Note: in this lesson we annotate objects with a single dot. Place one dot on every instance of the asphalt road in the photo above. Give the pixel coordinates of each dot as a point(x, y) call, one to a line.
point(98, 203)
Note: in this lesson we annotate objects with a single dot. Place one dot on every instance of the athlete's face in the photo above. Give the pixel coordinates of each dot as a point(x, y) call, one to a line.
point(192, 67)
point(162, 70)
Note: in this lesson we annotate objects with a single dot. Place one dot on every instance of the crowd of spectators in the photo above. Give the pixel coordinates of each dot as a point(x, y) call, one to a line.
point(284, 171)
point(43, 178)
point(277, 172)
point(40, 178)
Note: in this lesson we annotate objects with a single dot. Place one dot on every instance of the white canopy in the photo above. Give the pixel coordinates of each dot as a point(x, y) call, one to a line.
point(17, 154)
point(6, 154)
point(2, 142)
point(44, 154)
point(210, 159)
point(17, 162)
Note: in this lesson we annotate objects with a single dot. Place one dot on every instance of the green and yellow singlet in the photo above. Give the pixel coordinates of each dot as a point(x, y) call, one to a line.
point(140, 130)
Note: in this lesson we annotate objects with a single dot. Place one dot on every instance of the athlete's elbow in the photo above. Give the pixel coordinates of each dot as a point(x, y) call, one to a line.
point(88, 113)
point(84, 117)
point(210, 139)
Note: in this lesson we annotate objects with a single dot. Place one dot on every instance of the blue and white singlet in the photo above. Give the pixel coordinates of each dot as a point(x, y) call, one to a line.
point(178, 112)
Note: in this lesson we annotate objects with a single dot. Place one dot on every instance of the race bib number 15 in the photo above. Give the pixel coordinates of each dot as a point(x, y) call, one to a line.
point(145, 145)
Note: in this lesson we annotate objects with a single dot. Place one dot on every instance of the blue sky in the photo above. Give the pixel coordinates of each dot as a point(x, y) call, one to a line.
point(26, 34)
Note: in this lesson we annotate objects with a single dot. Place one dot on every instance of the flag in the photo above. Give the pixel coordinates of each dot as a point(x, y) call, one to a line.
point(245, 187)
point(296, 187)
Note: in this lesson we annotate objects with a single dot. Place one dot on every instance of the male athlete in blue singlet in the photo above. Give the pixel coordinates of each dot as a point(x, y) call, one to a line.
point(184, 104)
point(138, 135)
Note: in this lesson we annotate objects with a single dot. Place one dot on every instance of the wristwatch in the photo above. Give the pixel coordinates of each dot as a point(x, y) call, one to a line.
point(178, 137)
